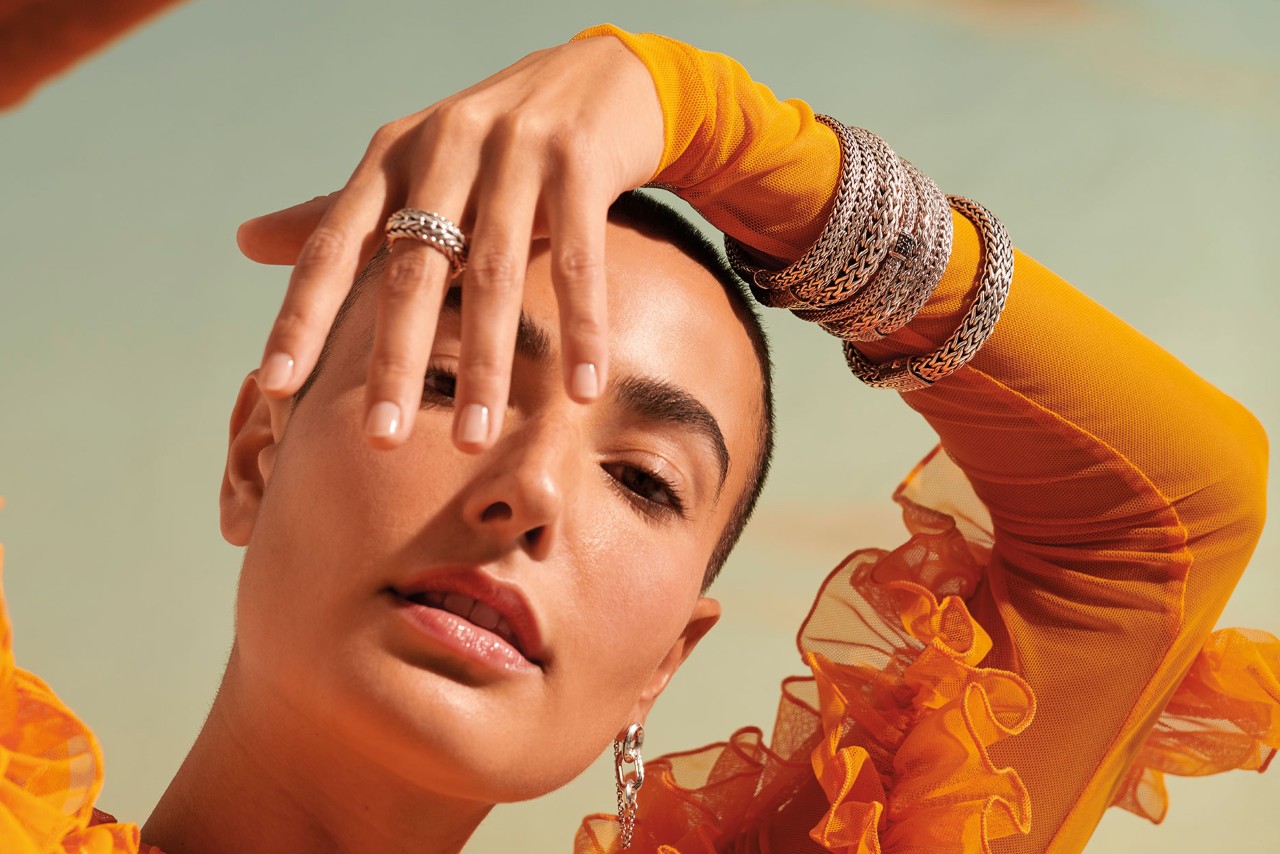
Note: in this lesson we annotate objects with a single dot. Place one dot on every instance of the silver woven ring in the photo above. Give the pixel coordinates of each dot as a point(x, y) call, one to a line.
point(437, 231)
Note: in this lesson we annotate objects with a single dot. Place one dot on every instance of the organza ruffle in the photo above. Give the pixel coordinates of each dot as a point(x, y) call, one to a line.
point(50, 769)
point(883, 749)
point(1224, 715)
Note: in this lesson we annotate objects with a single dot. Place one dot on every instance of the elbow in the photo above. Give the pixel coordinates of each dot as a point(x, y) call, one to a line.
point(1238, 495)
point(1251, 471)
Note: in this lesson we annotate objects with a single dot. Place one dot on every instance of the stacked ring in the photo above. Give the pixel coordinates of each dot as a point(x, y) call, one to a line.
point(436, 231)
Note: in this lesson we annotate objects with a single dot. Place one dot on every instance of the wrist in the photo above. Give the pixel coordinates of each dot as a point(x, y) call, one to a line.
point(759, 169)
point(682, 82)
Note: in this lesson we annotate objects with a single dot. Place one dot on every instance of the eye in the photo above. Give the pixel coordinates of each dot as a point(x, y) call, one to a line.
point(646, 486)
point(438, 384)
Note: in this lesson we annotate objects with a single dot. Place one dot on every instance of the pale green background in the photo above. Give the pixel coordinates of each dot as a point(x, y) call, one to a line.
point(1129, 145)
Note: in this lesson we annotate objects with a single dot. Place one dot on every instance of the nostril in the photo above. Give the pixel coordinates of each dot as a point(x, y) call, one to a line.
point(533, 535)
point(498, 511)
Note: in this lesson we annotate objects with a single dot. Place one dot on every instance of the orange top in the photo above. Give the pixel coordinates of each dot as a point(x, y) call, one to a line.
point(1105, 502)
point(1125, 496)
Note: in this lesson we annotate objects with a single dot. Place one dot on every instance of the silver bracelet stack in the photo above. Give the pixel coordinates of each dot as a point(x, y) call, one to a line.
point(878, 260)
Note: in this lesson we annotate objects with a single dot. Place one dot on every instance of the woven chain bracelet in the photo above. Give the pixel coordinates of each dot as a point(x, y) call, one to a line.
point(879, 258)
point(909, 373)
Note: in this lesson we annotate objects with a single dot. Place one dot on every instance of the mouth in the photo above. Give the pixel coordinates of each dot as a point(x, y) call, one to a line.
point(472, 610)
point(477, 615)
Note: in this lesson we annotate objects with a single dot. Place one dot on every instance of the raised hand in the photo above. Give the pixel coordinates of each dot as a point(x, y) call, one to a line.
point(541, 148)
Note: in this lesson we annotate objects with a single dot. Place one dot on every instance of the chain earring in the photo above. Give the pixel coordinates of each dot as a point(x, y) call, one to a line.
point(627, 752)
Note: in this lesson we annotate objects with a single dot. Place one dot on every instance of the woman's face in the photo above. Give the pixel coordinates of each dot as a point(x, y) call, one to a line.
point(582, 538)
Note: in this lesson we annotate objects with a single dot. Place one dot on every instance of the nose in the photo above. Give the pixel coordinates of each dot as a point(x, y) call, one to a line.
point(518, 499)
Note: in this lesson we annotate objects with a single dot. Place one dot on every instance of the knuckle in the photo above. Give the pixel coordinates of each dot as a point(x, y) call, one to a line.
point(579, 264)
point(484, 372)
point(390, 365)
point(404, 274)
point(492, 270)
point(584, 328)
point(570, 145)
point(384, 137)
point(521, 126)
point(461, 116)
point(325, 246)
point(292, 322)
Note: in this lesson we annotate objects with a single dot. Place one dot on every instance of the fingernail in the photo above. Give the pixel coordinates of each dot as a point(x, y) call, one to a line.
point(584, 383)
point(276, 371)
point(383, 420)
point(473, 424)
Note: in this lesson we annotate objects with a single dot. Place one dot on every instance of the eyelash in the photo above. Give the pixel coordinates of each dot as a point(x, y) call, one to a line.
point(434, 395)
point(673, 503)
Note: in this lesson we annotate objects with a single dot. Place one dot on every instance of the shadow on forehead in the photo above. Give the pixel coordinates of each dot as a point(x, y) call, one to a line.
point(654, 219)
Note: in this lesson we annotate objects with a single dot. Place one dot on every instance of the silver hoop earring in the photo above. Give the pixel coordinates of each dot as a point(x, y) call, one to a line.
point(627, 752)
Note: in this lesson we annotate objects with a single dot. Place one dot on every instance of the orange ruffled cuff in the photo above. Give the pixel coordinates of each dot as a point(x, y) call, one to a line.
point(50, 769)
point(884, 748)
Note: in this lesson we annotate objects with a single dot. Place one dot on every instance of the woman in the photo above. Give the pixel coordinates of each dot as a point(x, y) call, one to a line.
point(340, 726)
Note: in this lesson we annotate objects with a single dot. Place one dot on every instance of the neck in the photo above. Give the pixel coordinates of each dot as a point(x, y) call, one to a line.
point(260, 781)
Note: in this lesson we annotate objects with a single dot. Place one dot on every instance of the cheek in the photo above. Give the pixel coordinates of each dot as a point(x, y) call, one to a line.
point(627, 608)
point(337, 514)
point(334, 517)
point(632, 597)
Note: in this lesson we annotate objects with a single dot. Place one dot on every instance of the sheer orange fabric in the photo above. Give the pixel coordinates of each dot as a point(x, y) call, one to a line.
point(752, 165)
point(1063, 591)
point(1125, 493)
point(50, 769)
point(889, 744)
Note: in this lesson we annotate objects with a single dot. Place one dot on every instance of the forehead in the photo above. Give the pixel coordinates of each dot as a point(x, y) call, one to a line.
point(670, 319)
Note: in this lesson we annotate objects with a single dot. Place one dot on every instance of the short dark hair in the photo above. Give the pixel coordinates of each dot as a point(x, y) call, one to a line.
point(658, 220)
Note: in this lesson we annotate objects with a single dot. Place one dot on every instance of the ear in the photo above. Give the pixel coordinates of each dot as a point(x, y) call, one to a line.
point(257, 423)
point(706, 613)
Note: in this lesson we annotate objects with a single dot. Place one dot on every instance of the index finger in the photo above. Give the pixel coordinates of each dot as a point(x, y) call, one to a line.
point(326, 265)
point(278, 237)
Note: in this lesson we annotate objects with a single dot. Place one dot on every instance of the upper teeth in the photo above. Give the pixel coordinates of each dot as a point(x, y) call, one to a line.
point(472, 611)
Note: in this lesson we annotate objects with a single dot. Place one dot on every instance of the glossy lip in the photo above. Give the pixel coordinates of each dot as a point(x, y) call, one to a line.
point(465, 636)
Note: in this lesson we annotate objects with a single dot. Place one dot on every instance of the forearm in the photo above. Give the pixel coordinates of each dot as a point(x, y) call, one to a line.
point(764, 170)
point(1126, 492)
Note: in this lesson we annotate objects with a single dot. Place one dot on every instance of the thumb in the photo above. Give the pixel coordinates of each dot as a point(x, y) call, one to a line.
point(276, 238)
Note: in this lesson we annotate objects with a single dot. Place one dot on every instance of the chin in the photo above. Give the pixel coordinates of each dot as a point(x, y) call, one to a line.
point(480, 743)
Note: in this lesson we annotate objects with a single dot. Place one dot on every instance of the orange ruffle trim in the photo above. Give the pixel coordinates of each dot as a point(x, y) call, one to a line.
point(50, 773)
point(883, 749)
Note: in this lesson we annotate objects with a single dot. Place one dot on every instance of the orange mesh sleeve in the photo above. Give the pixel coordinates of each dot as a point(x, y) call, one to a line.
point(759, 169)
point(1126, 493)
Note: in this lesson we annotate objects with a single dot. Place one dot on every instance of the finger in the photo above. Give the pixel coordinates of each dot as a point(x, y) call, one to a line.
point(409, 297)
point(577, 215)
point(492, 295)
point(443, 163)
point(277, 238)
point(321, 278)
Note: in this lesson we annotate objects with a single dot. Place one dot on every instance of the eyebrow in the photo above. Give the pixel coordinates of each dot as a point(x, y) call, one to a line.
point(532, 341)
point(665, 403)
point(649, 399)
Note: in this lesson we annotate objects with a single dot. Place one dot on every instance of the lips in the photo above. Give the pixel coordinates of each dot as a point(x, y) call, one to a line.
point(472, 610)
point(493, 607)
